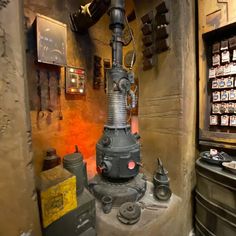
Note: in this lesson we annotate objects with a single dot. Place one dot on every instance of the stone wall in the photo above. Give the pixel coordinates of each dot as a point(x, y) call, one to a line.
point(167, 105)
point(19, 213)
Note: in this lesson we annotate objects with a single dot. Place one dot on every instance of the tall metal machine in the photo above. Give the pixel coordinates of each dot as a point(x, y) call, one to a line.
point(118, 150)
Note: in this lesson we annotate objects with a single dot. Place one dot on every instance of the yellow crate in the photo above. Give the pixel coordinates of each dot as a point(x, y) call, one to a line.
point(57, 189)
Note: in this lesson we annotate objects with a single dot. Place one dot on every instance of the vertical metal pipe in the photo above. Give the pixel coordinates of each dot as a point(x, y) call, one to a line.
point(117, 113)
point(117, 14)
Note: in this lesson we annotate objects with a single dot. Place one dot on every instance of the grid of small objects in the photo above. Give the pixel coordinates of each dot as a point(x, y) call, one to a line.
point(155, 32)
point(222, 76)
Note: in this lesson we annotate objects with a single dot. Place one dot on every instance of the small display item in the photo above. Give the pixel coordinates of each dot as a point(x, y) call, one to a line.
point(216, 48)
point(224, 45)
point(232, 43)
point(234, 55)
point(216, 96)
point(219, 71)
point(224, 95)
point(216, 108)
point(215, 157)
point(224, 120)
point(221, 83)
point(223, 108)
point(232, 94)
point(229, 82)
point(227, 69)
point(213, 152)
point(232, 121)
point(215, 84)
point(233, 68)
point(213, 120)
point(57, 194)
point(212, 73)
point(216, 60)
point(225, 56)
point(75, 80)
point(231, 107)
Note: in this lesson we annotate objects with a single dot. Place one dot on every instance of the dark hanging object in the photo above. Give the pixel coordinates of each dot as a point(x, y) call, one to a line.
point(119, 191)
point(106, 66)
point(97, 73)
point(161, 183)
point(162, 8)
point(147, 18)
point(74, 163)
point(131, 16)
point(51, 159)
point(88, 15)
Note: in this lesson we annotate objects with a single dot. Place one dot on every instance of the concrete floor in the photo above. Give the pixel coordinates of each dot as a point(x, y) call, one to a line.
point(152, 222)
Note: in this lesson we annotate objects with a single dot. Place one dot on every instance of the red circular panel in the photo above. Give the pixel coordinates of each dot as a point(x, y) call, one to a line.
point(131, 165)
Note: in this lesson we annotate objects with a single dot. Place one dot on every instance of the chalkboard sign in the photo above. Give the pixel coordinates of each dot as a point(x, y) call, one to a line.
point(51, 41)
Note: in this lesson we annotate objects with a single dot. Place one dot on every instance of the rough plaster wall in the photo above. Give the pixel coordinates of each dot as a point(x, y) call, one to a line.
point(167, 105)
point(18, 200)
point(83, 118)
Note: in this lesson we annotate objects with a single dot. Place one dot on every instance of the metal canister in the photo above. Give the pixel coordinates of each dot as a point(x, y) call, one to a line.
point(161, 188)
point(74, 163)
point(51, 159)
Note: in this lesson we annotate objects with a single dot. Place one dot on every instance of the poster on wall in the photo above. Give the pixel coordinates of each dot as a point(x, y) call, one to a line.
point(51, 41)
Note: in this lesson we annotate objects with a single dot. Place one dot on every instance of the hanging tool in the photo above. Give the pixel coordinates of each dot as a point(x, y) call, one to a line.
point(49, 93)
point(40, 113)
point(60, 115)
point(49, 107)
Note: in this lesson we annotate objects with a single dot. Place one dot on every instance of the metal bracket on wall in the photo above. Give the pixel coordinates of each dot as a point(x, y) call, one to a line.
point(155, 34)
point(162, 20)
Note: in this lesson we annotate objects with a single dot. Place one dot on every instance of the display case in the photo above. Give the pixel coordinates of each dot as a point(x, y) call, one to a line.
point(216, 39)
point(217, 88)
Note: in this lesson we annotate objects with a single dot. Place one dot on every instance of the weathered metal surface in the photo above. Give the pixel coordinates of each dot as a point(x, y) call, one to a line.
point(51, 159)
point(74, 163)
point(215, 200)
point(118, 150)
point(120, 192)
point(57, 191)
point(129, 213)
point(81, 221)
